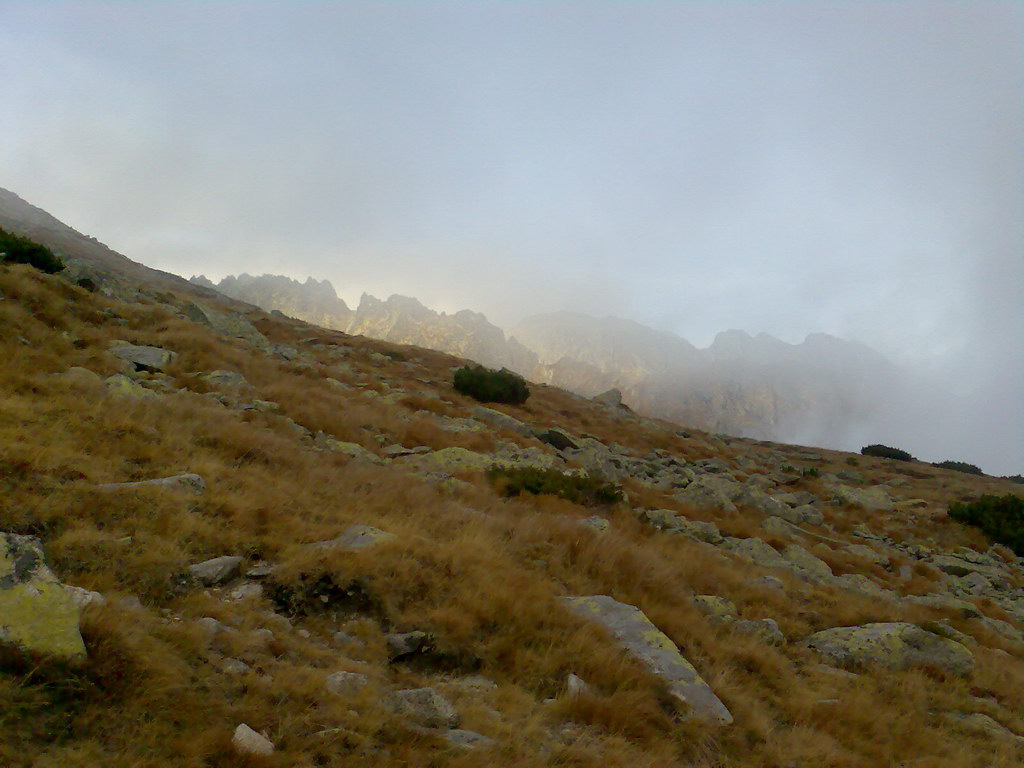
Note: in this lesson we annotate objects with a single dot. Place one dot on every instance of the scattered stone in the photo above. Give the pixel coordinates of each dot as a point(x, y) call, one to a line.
point(400, 450)
point(37, 614)
point(346, 683)
point(644, 641)
point(425, 706)
point(186, 483)
point(79, 376)
point(597, 524)
point(83, 597)
point(575, 686)
point(873, 499)
point(468, 739)
point(246, 592)
point(145, 358)
point(218, 570)
point(221, 379)
point(405, 643)
point(892, 645)
point(249, 742)
point(355, 537)
point(982, 724)
point(230, 324)
point(765, 630)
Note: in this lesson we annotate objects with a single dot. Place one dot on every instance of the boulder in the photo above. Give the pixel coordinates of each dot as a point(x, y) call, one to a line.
point(597, 524)
point(873, 499)
point(355, 537)
point(216, 571)
point(765, 630)
point(424, 706)
point(557, 439)
point(405, 643)
point(502, 421)
point(145, 358)
point(346, 683)
point(641, 639)
point(714, 605)
point(229, 324)
point(186, 483)
point(891, 645)
point(325, 442)
point(249, 742)
point(221, 379)
point(37, 614)
point(706, 495)
point(463, 739)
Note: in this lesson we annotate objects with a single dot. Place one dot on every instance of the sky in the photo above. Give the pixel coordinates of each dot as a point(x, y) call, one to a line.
point(854, 168)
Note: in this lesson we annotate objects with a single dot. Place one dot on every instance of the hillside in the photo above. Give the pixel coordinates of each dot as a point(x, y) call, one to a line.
point(230, 538)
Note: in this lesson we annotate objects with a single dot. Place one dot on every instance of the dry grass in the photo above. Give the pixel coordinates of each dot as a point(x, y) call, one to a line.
point(479, 572)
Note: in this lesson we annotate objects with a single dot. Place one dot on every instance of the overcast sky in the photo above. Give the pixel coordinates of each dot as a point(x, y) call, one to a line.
point(788, 167)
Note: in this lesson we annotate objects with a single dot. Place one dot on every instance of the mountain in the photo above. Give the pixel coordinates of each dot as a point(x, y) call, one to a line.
point(398, 319)
point(758, 387)
point(313, 301)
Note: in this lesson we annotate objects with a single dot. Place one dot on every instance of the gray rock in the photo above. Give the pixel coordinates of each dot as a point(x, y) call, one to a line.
point(145, 358)
point(945, 602)
point(234, 666)
point(249, 742)
point(807, 563)
point(216, 571)
point(765, 630)
point(807, 515)
point(867, 553)
point(84, 597)
point(875, 498)
point(355, 537)
point(186, 483)
point(644, 641)
point(229, 324)
point(346, 683)
point(221, 379)
point(891, 645)
point(463, 739)
point(976, 722)
point(424, 706)
point(80, 376)
point(502, 421)
point(120, 385)
point(706, 495)
point(575, 686)
point(405, 643)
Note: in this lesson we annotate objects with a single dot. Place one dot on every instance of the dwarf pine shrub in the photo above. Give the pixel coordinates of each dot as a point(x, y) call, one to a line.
point(959, 466)
point(999, 517)
point(490, 386)
point(15, 249)
point(587, 490)
point(885, 452)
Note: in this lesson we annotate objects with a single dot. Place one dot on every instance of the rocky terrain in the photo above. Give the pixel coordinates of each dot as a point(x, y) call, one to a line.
point(231, 538)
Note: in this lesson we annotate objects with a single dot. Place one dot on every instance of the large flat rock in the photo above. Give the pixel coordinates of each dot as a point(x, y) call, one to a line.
point(891, 645)
point(644, 641)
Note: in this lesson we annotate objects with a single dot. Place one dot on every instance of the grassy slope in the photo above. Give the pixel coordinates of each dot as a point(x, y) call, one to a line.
point(479, 571)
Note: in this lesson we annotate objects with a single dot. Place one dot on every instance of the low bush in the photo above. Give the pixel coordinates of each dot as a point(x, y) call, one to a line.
point(885, 452)
point(587, 490)
point(959, 466)
point(999, 517)
point(490, 386)
point(15, 249)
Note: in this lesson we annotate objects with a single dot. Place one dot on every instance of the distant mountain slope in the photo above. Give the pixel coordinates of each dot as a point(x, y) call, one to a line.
point(83, 253)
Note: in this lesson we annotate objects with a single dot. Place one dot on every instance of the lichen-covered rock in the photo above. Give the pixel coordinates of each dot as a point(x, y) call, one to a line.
point(806, 563)
point(765, 630)
point(145, 358)
point(450, 460)
point(120, 385)
point(597, 524)
point(892, 645)
point(221, 379)
point(324, 442)
point(346, 683)
point(714, 605)
point(644, 641)
point(36, 613)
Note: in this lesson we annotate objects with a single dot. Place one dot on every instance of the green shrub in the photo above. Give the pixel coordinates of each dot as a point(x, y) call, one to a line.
point(489, 386)
point(15, 249)
point(959, 466)
point(1001, 518)
point(812, 472)
point(588, 490)
point(885, 452)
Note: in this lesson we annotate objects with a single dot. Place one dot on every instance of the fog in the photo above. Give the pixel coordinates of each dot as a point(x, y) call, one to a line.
point(850, 168)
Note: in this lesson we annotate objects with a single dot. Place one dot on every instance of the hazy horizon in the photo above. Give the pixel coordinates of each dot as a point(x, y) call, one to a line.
point(788, 168)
